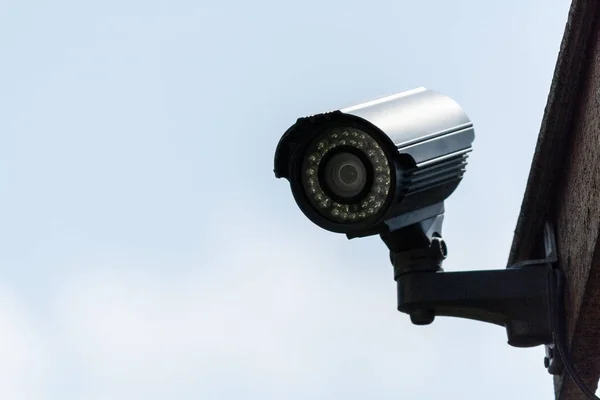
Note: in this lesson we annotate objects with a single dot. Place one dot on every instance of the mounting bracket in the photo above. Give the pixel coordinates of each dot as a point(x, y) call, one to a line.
point(553, 362)
point(522, 298)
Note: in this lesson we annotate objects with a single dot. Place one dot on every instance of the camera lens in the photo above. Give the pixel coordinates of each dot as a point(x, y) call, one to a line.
point(345, 175)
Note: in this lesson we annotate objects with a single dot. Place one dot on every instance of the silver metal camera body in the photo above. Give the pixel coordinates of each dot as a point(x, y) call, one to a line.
point(378, 166)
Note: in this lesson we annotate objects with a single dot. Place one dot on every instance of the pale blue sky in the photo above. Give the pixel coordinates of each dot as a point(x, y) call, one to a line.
point(148, 252)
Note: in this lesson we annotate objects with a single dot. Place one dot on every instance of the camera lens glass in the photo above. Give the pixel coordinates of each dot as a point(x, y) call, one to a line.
point(345, 175)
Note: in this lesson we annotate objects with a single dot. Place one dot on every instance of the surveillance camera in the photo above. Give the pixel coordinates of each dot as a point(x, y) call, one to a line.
point(385, 167)
point(377, 166)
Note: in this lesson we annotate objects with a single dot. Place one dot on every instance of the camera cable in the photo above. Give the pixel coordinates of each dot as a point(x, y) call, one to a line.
point(559, 329)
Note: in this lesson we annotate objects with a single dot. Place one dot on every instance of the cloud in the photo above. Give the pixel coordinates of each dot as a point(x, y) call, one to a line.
point(22, 358)
point(268, 319)
point(268, 310)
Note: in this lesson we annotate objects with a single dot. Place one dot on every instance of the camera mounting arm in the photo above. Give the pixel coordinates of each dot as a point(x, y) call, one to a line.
point(521, 298)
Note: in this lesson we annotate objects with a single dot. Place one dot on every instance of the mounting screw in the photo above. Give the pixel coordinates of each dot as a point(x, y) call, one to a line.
point(438, 249)
point(553, 361)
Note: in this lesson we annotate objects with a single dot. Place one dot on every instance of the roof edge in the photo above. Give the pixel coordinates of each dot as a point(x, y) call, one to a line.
point(551, 146)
